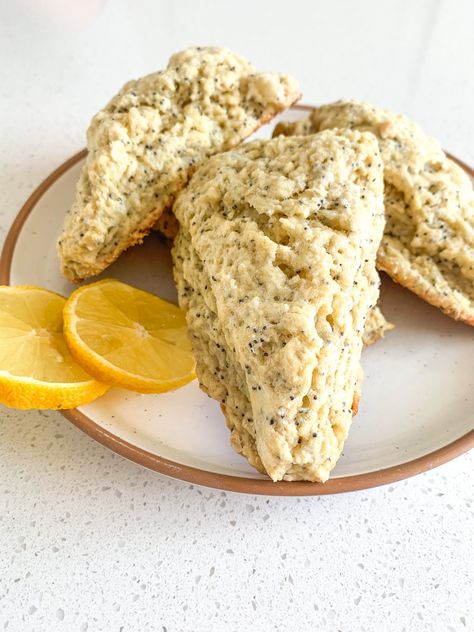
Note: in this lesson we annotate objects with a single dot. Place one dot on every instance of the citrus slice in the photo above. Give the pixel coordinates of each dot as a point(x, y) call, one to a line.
point(128, 338)
point(36, 366)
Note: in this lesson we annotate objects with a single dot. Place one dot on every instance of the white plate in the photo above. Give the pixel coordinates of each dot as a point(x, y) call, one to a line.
point(417, 408)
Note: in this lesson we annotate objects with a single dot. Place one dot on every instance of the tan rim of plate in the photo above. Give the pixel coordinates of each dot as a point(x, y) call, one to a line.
point(211, 479)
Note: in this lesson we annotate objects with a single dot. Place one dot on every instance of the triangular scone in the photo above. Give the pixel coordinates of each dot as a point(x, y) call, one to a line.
point(275, 266)
point(428, 245)
point(144, 145)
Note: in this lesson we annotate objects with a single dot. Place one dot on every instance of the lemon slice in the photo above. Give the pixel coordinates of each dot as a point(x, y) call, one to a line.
point(128, 338)
point(36, 367)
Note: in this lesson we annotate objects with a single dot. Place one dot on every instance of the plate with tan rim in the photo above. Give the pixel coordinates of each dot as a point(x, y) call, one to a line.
point(417, 409)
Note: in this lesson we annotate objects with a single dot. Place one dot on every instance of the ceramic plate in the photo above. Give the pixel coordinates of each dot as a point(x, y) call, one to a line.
point(417, 409)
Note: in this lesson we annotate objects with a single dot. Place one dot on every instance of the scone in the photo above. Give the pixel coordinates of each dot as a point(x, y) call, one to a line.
point(275, 266)
point(144, 145)
point(428, 244)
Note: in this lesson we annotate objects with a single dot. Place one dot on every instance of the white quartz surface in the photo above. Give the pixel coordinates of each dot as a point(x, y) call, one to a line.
point(89, 541)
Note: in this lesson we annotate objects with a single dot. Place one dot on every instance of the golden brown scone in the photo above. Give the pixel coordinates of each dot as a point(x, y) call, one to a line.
point(275, 266)
point(145, 144)
point(428, 244)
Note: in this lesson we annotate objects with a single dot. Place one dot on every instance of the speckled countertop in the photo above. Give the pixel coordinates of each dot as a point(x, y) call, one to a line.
point(89, 541)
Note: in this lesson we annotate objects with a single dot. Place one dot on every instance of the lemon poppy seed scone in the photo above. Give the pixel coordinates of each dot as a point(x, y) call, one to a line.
point(275, 266)
point(144, 145)
point(428, 245)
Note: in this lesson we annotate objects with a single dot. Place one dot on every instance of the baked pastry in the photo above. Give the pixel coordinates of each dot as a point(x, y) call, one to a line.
point(275, 266)
point(144, 145)
point(428, 244)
